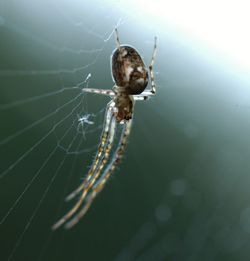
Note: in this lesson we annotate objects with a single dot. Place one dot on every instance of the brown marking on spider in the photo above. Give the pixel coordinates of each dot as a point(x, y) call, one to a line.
point(130, 76)
point(128, 70)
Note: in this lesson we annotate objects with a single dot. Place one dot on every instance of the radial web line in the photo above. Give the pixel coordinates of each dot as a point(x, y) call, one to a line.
point(19, 240)
point(45, 148)
point(39, 97)
point(16, 134)
point(45, 72)
point(28, 185)
point(5, 172)
point(53, 47)
point(44, 248)
point(75, 23)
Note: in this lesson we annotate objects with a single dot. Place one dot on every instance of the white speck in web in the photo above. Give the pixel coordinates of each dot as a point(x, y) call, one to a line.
point(88, 77)
point(85, 119)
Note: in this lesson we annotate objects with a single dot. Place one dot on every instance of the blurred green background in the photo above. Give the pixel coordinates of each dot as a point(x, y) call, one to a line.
point(182, 190)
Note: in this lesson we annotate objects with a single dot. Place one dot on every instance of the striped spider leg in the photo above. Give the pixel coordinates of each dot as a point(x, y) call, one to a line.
point(99, 185)
point(131, 79)
point(104, 148)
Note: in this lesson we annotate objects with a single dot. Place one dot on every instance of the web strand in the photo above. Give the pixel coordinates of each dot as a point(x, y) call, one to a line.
point(34, 213)
point(13, 165)
point(55, 133)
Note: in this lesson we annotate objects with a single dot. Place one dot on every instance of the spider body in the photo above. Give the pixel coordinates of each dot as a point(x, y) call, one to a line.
point(128, 70)
point(131, 78)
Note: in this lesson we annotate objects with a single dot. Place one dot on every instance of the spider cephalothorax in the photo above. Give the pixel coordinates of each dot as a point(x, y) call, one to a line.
point(124, 104)
point(131, 78)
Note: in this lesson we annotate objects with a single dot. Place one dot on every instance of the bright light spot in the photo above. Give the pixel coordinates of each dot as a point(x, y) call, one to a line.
point(163, 213)
point(178, 187)
point(218, 24)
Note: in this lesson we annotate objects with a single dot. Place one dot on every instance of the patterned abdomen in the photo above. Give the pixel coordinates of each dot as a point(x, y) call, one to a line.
point(128, 70)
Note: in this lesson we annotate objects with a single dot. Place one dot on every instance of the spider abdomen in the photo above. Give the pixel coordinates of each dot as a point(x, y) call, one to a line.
point(128, 70)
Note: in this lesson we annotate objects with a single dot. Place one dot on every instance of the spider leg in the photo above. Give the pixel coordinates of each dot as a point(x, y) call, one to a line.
point(117, 39)
point(104, 147)
point(148, 93)
point(105, 157)
point(98, 156)
point(151, 71)
point(99, 91)
point(143, 96)
point(99, 185)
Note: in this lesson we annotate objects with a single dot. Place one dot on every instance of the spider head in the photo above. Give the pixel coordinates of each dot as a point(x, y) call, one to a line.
point(128, 70)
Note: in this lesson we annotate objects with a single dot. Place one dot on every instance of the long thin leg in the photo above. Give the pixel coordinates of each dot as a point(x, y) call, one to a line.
point(99, 91)
point(118, 155)
point(92, 181)
point(151, 71)
point(148, 93)
point(107, 117)
point(105, 176)
point(104, 159)
point(106, 142)
point(117, 39)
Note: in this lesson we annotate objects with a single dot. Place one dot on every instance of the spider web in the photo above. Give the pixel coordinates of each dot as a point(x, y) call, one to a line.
point(50, 129)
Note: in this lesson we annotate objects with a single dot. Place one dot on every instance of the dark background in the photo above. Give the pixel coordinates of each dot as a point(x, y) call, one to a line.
point(182, 190)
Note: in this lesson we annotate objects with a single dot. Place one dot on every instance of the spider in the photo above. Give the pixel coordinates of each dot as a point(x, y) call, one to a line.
point(131, 79)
